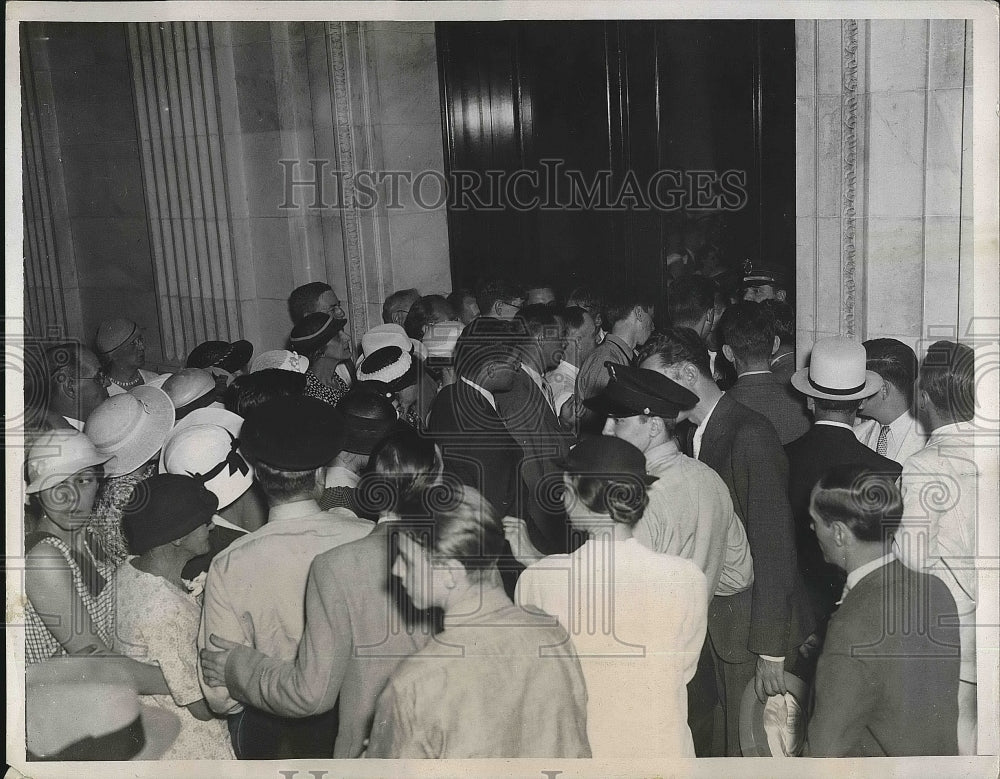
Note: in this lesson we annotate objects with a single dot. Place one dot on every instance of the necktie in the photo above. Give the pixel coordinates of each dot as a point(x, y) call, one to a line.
point(883, 441)
point(549, 397)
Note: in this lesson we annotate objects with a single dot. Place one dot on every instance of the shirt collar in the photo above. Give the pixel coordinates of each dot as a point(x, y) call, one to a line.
point(75, 422)
point(620, 343)
point(293, 510)
point(568, 368)
point(753, 373)
point(339, 476)
point(220, 521)
point(485, 393)
point(831, 423)
point(699, 432)
point(535, 375)
point(660, 452)
point(861, 572)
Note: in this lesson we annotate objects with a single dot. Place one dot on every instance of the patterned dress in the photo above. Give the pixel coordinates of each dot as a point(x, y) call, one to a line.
point(106, 524)
point(155, 622)
point(89, 586)
point(316, 388)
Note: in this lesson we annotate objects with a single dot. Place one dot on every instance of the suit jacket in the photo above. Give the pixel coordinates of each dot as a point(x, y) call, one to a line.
point(771, 618)
point(774, 399)
point(530, 420)
point(809, 457)
point(359, 626)
point(887, 680)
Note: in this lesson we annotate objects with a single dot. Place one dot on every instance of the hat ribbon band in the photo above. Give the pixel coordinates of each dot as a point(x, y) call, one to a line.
point(835, 391)
point(124, 743)
point(123, 341)
point(234, 460)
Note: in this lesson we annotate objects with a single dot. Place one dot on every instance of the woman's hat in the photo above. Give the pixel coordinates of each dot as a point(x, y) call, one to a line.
point(315, 331)
point(211, 455)
point(210, 415)
point(190, 389)
point(57, 455)
point(231, 357)
point(381, 336)
point(776, 728)
point(87, 708)
point(293, 433)
point(605, 456)
point(165, 507)
point(281, 359)
point(368, 418)
point(130, 428)
point(837, 372)
point(114, 333)
point(391, 365)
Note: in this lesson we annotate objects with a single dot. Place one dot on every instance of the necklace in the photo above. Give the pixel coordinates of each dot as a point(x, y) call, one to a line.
point(128, 384)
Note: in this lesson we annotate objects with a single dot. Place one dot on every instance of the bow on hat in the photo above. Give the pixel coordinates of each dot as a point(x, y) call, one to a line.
point(234, 460)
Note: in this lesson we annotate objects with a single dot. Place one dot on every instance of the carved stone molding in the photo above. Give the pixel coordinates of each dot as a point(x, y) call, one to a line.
point(849, 177)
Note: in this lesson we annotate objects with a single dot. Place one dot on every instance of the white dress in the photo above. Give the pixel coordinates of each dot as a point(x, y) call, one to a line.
point(638, 621)
point(155, 622)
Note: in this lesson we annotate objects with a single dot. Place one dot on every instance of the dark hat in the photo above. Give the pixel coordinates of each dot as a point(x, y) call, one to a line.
point(390, 365)
point(166, 507)
point(368, 417)
point(220, 354)
point(755, 275)
point(375, 387)
point(606, 456)
point(314, 331)
point(635, 391)
point(293, 433)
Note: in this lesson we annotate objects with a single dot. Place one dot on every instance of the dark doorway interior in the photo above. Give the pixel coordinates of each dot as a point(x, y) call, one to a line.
point(606, 113)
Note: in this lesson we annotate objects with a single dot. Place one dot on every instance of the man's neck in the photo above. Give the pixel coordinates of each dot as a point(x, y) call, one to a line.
point(862, 554)
point(936, 420)
point(888, 415)
point(625, 332)
point(708, 395)
point(844, 418)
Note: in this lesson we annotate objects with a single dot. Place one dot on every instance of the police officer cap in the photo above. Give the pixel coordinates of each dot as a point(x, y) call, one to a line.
point(635, 391)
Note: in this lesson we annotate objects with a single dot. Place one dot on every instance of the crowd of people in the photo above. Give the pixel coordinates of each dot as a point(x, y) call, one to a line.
point(511, 521)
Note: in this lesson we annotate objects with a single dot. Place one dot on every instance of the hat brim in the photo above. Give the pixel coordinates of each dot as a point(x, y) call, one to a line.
point(50, 480)
point(210, 415)
point(800, 380)
point(144, 446)
point(753, 737)
point(238, 357)
point(564, 465)
point(161, 728)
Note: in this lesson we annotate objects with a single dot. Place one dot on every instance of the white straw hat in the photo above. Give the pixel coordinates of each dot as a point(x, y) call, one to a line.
point(211, 454)
point(280, 358)
point(837, 371)
point(130, 428)
point(57, 455)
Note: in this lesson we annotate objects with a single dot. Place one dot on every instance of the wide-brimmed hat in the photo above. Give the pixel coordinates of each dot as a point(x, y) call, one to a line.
point(638, 391)
point(391, 365)
point(164, 508)
point(315, 331)
point(604, 456)
point(381, 336)
point(211, 455)
point(211, 415)
point(368, 418)
point(231, 357)
point(836, 371)
point(293, 433)
point(190, 389)
point(57, 455)
point(130, 428)
point(114, 333)
point(88, 708)
point(776, 728)
point(281, 359)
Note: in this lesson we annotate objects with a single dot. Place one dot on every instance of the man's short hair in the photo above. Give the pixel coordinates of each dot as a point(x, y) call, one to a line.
point(302, 301)
point(748, 329)
point(838, 406)
point(422, 312)
point(493, 290)
point(784, 319)
point(948, 376)
point(398, 301)
point(621, 301)
point(485, 340)
point(457, 298)
point(689, 298)
point(539, 318)
point(869, 503)
point(895, 362)
point(280, 485)
point(251, 390)
point(574, 317)
point(588, 299)
point(677, 345)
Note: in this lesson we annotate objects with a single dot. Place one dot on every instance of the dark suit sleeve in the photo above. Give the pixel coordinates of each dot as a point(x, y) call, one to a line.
point(845, 698)
point(771, 533)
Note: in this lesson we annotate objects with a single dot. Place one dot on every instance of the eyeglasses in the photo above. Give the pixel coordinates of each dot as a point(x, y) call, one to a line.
point(100, 378)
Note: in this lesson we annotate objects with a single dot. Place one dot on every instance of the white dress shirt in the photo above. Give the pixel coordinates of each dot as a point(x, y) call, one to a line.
point(906, 436)
point(699, 432)
point(562, 382)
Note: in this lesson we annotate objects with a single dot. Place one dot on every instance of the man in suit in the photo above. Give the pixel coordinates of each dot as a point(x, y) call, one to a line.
point(465, 422)
point(887, 681)
point(888, 425)
point(528, 412)
point(835, 384)
point(752, 632)
point(359, 626)
point(749, 341)
point(783, 361)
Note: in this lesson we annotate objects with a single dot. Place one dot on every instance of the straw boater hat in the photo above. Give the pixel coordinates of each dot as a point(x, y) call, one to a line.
point(775, 728)
point(281, 359)
point(314, 331)
point(190, 389)
point(88, 708)
point(230, 357)
point(130, 428)
point(211, 455)
point(57, 455)
point(381, 336)
point(837, 372)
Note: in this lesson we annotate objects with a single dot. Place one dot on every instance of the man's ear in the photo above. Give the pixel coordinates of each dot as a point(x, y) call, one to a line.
point(780, 294)
point(727, 352)
point(777, 345)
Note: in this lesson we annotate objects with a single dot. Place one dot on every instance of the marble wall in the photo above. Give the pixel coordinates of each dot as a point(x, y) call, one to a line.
point(884, 179)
